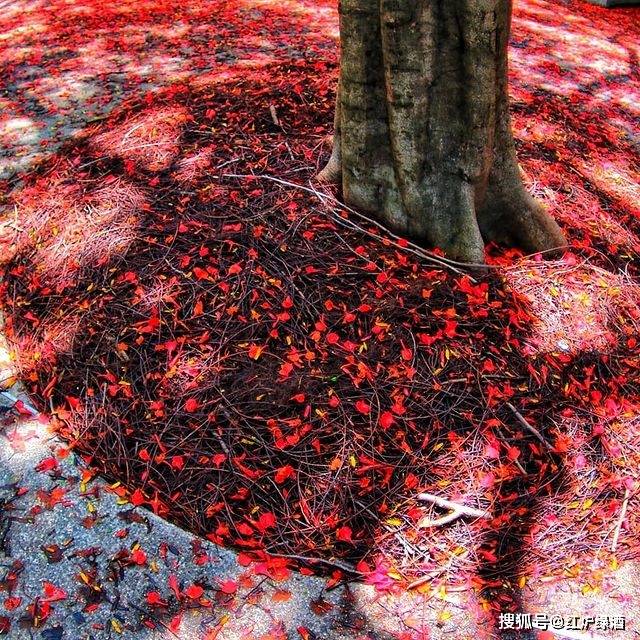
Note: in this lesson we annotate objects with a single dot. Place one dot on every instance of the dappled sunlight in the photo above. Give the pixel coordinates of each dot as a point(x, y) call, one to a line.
point(567, 43)
point(151, 140)
point(597, 212)
point(18, 8)
point(317, 16)
point(23, 136)
point(50, 340)
point(574, 67)
point(96, 235)
point(23, 440)
point(602, 458)
point(408, 541)
point(582, 209)
point(192, 166)
point(422, 611)
point(41, 206)
point(162, 292)
point(575, 103)
point(7, 372)
point(213, 78)
point(59, 57)
point(64, 91)
point(265, 372)
point(160, 43)
point(19, 131)
point(25, 443)
point(617, 179)
point(575, 307)
point(66, 231)
point(190, 367)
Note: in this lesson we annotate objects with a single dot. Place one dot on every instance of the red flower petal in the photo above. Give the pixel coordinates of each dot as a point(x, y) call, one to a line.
point(138, 556)
point(344, 534)
point(191, 405)
point(194, 591)
point(363, 407)
point(386, 419)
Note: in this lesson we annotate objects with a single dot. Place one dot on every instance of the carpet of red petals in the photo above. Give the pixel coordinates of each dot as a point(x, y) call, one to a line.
point(275, 374)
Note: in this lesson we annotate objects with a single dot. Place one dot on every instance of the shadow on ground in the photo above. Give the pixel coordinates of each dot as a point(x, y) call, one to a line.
point(258, 369)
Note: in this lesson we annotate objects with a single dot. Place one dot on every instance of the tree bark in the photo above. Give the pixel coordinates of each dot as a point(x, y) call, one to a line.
point(422, 131)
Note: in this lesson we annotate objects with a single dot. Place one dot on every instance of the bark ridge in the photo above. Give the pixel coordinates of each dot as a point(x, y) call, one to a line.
point(423, 135)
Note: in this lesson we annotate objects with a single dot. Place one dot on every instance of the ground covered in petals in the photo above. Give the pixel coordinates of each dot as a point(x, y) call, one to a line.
point(213, 330)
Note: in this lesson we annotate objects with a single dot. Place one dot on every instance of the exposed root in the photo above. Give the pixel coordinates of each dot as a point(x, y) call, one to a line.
point(515, 218)
point(332, 172)
point(535, 230)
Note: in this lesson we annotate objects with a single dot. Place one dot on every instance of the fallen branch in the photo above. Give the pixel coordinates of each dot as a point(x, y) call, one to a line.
point(336, 564)
point(410, 247)
point(274, 115)
point(529, 427)
point(522, 470)
point(623, 513)
point(457, 511)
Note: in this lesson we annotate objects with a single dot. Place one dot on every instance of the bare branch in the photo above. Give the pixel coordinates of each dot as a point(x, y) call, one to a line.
point(623, 513)
point(529, 427)
point(457, 511)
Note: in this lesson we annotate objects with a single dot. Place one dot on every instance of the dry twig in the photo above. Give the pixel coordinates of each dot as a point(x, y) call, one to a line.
point(529, 427)
point(621, 517)
point(457, 511)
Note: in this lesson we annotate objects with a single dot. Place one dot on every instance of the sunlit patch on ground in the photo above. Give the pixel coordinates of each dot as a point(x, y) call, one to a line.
point(590, 508)
point(582, 209)
point(575, 307)
point(26, 441)
point(66, 63)
point(617, 178)
point(18, 130)
point(193, 166)
point(66, 231)
point(151, 140)
point(259, 369)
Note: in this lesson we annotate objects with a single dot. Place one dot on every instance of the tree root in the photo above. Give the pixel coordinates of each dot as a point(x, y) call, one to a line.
point(332, 172)
point(521, 221)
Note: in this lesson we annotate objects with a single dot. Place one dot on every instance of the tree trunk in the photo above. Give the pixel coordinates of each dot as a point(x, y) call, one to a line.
point(422, 131)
